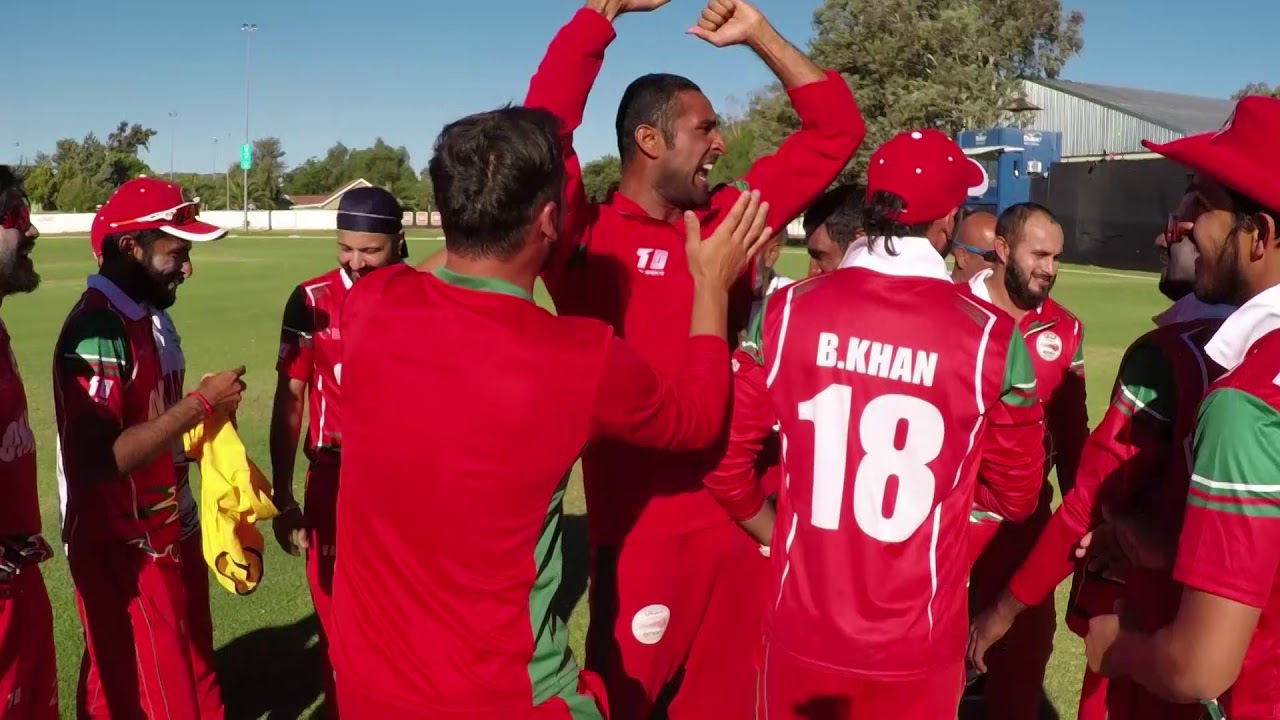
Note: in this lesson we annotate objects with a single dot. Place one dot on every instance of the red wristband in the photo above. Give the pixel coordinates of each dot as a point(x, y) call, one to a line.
point(208, 409)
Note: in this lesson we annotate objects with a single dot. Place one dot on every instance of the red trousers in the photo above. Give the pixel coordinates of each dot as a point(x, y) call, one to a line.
point(685, 609)
point(137, 661)
point(195, 580)
point(588, 703)
point(1016, 664)
point(320, 506)
point(791, 689)
point(28, 669)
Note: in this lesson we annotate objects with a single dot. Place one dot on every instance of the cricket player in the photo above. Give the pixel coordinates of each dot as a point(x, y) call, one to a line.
point(28, 670)
point(672, 579)
point(1219, 645)
point(121, 517)
point(466, 401)
point(831, 223)
point(974, 249)
point(370, 236)
point(869, 387)
point(195, 575)
point(1133, 463)
point(1028, 242)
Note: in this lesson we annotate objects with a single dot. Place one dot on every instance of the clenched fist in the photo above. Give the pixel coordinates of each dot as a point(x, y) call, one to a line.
point(729, 22)
point(223, 390)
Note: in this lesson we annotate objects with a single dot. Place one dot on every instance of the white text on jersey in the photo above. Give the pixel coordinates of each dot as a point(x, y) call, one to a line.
point(869, 357)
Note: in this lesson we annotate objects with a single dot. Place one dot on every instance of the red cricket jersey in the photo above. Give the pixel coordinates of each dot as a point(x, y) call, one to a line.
point(882, 404)
point(1137, 460)
point(618, 264)
point(173, 367)
point(20, 539)
point(1230, 540)
point(458, 448)
point(106, 368)
point(1055, 339)
point(311, 351)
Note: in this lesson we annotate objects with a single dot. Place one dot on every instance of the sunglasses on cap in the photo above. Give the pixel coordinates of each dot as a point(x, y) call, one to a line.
point(986, 255)
point(17, 218)
point(178, 215)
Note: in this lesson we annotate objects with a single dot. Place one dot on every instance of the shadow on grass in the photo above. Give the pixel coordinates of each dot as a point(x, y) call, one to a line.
point(577, 565)
point(273, 673)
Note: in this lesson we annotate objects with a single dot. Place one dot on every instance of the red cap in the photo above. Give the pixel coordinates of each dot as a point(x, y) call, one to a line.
point(1243, 155)
point(150, 204)
point(928, 171)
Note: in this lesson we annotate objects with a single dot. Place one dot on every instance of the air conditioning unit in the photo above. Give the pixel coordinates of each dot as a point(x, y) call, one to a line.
point(1035, 167)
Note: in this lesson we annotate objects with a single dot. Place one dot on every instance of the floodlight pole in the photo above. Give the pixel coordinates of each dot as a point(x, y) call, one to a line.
point(248, 29)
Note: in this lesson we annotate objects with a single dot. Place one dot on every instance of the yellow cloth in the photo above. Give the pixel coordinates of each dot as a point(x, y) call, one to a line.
point(234, 494)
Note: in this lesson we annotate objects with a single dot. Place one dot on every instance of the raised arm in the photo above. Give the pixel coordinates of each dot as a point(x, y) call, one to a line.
point(831, 128)
point(1012, 465)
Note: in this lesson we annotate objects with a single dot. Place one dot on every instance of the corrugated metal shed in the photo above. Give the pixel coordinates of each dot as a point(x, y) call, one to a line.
point(1098, 119)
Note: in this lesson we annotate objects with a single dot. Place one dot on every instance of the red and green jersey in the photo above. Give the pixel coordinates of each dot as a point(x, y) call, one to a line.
point(173, 365)
point(883, 406)
point(1230, 541)
point(1136, 460)
point(20, 539)
point(457, 450)
point(618, 264)
point(311, 351)
point(106, 370)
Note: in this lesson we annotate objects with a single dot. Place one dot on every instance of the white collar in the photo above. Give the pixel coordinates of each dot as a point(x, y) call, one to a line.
point(117, 297)
point(1189, 307)
point(978, 285)
point(916, 257)
point(1245, 327)
point(346, 279)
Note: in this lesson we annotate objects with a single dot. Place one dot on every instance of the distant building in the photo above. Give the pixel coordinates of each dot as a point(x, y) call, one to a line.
point(1098, 121)
point(325, 202)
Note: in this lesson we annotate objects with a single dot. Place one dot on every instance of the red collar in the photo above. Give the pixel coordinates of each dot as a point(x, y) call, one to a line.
point(624, 205)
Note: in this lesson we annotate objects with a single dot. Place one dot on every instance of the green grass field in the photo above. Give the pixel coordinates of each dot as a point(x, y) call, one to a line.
point(229, 314)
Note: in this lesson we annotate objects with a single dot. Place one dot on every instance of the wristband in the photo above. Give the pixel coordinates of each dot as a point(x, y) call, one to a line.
point(208, 409)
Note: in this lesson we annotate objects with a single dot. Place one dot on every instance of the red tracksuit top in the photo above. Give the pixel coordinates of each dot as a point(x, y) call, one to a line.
point(458, 447)
point(628, 269)
point(882, 405)
point(1138, 459)
point(20, 539)
point(1055, 341)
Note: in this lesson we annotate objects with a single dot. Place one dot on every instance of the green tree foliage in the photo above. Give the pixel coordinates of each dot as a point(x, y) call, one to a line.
point(1257, 88)
point(380, 164)
point(600, 176)
point(81, 174)
point(946, 64)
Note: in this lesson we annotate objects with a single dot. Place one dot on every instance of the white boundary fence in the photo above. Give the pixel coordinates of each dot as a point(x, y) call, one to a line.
point(303, 220)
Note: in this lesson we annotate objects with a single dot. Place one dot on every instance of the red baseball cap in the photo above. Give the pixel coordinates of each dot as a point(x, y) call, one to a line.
point(150, 204)
point(1243, 155)
point(928, 171)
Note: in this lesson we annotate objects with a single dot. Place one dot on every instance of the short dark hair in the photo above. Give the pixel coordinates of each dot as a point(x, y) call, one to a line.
point(142, 238)
point(1010, 223)
point(840, 209)
point(1246, 209)
point(11, 192)
point(881, 219)
point(650, 100)
point(492, 172)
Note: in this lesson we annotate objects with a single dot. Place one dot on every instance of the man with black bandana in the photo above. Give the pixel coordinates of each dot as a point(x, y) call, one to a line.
point(370, 236)
point(1028, 243)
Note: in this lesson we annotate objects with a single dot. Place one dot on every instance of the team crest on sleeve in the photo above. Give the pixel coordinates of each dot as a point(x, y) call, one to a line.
point(1049, 345)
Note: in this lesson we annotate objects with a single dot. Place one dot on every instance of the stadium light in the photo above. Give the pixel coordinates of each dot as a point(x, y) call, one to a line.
point(173, 130)
point(248, 29)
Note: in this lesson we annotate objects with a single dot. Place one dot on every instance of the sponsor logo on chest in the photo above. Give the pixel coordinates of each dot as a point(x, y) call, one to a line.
point(652, 261)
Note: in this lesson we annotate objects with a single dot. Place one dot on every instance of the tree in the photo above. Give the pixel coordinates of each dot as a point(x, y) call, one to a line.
point(927, 63)
point(1257, 88)
point(601, 175)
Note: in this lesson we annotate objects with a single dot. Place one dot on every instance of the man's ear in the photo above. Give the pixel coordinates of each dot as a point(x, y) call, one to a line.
point(1001, 246)
point(402, 247)
point(549, 221)
point(1264, 236)
point(128, 244)
point(650, 141)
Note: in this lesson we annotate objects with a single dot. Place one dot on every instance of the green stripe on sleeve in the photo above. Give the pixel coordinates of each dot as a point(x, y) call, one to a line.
point(753, 343)
point(1145, 384)
point(1237, 455)
point(95, 339)
point(1019, 388)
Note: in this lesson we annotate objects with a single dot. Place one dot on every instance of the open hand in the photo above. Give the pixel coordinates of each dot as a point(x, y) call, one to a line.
point(729, 22)
point(986, 631)
point(720, 259)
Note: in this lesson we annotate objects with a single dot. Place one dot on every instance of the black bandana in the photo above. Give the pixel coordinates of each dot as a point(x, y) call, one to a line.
point(370, 209)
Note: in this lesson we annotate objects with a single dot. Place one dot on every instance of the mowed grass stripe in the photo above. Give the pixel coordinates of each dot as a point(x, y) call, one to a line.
point(229, 314)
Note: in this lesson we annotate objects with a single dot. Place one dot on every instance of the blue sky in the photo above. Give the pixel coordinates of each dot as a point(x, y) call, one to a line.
point(325, 70)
